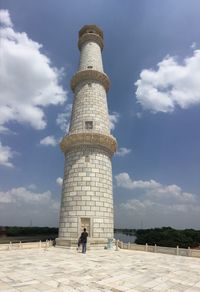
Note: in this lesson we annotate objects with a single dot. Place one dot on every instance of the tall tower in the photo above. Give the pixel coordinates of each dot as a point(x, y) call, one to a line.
point(87, 198)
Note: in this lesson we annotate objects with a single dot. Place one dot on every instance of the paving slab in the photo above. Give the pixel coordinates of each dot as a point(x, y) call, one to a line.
point(57, 269)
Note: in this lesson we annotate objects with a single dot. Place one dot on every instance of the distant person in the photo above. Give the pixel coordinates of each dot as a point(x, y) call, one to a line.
point(54, 242)
point(83, 240)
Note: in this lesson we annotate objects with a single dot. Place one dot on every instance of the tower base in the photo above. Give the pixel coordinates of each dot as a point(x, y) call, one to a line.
point(96, 243)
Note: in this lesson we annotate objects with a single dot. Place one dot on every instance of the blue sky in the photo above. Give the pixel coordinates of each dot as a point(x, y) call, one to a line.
point(152, 56)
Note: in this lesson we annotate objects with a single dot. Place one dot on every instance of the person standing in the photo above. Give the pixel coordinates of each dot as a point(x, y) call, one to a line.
point(84, 236)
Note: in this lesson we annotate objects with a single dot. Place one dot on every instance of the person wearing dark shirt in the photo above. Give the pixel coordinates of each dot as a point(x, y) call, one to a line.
point(83, 238)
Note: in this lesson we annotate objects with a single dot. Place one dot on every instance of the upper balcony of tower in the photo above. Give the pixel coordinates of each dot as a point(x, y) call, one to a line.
point(92, 33)
point(90, 44)
point(90, 67)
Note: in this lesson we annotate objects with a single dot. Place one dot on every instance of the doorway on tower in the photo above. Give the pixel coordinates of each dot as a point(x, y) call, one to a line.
point(86, 223)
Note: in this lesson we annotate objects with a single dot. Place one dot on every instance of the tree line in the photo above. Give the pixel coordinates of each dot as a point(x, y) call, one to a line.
point(26, 231)
point(165, 236)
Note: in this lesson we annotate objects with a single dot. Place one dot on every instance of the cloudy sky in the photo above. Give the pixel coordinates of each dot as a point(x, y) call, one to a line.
point(152, 56)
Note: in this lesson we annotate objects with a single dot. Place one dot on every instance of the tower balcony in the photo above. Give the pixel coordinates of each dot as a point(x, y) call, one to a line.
point(90, 33)
point(90, 75)
point(93, 139)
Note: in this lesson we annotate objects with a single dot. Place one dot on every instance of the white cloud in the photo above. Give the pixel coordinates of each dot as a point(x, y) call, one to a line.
point(20, 205)
point(123, 151)
point(4, 130)
point(113, 118)
point(59, 181)
point(63, 118)
point(5, 18)
point(193, 45)
point(32, 187)
point(29, 82)
point(123, 180)
point(5, 155)
point(171, 85)
point(157, 204)
point(49, 141)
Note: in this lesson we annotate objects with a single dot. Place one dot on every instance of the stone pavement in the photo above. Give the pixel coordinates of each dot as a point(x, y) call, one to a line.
point(57, 269)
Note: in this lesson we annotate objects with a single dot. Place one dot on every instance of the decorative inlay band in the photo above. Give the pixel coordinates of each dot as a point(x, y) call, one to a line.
point(90, 75)
point(93, 139)
point(90, 37)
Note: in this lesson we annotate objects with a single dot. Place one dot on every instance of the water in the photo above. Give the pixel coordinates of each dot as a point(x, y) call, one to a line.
point(125, 238)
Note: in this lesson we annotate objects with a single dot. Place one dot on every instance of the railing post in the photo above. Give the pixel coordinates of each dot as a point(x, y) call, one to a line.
point(155, 248)
point(129, 245)
point(10, 246)
point(20, 245)
point(146, 247)
point(189, 251)
point(177, 250)
point(117, 245)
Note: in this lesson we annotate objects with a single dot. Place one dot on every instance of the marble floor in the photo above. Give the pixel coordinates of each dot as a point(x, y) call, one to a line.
point(57, 269)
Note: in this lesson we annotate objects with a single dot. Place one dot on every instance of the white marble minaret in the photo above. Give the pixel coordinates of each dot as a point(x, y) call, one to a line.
point(87, 196)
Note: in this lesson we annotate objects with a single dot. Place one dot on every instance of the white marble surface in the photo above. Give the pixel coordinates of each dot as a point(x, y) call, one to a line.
point(57, 269)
